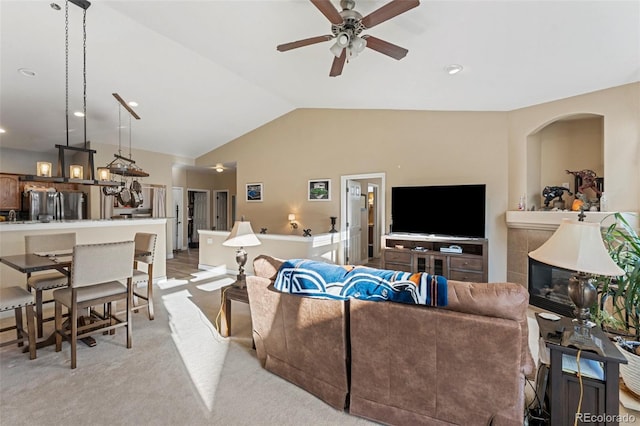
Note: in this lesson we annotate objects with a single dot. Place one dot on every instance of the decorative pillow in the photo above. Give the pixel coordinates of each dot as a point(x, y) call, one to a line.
point(310, 278)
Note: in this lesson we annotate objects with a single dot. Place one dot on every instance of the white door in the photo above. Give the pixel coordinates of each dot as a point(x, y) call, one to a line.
point(178, 214)
point(354, 223)
point(200, 213)
point(221, 209)
point(376, 221)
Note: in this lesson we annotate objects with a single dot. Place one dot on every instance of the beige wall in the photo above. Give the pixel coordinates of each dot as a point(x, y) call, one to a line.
point(423, 147)
point(568, 145)
point(620, 107)
point(410, 148)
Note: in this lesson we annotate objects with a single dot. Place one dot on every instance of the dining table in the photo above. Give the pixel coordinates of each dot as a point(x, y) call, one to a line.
point(59, 260)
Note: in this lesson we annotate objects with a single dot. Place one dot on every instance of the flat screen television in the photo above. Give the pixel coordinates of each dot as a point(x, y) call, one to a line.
point(443, 210)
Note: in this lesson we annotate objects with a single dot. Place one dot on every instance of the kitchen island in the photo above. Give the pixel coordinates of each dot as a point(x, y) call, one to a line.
point(87, 232)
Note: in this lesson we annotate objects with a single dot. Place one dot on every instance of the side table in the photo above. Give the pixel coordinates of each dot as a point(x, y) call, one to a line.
point(227, 294)
point(599, 397)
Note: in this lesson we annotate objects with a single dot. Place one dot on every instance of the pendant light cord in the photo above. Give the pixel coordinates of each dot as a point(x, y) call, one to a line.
point(66, 66)
point(84, 74)
point(84, 70)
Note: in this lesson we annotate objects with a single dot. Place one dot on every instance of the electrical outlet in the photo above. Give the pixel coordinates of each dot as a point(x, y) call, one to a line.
point(209, 241)
point(565, 185)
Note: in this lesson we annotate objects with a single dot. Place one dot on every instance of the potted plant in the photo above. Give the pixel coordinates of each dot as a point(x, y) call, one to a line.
point(619, 309)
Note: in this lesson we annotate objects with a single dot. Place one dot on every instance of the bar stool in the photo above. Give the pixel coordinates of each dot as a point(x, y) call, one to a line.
point(144, 242)
point(41, 282)
point(16, 298)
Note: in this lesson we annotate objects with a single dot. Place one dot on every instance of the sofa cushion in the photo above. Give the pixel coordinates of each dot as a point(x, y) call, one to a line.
point(310, 278)
point(499, 300)
point(417, 365)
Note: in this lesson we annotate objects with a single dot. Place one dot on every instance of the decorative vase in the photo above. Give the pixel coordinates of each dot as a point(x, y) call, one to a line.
point(333, 224)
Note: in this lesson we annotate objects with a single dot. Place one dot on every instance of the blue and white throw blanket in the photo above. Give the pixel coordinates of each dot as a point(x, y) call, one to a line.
point(311, 278)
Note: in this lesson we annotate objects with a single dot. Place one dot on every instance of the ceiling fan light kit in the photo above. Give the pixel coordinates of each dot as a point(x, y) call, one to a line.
point(346, 27)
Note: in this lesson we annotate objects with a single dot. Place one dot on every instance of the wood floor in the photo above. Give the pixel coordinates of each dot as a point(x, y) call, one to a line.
point(185, 262)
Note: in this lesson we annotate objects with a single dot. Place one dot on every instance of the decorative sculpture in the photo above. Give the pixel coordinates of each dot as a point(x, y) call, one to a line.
point(306, 232)
point(263, 230)
point(551, 192)
point(588, 178)
point(333, 224)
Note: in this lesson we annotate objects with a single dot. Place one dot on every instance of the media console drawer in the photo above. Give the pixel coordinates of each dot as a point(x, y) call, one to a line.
point(394, 256)
point(466, 263)
point(422, 254)
point(475, 277)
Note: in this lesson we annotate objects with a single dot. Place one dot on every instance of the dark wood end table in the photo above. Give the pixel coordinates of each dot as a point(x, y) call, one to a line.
point(600, 397)
point(227, 294)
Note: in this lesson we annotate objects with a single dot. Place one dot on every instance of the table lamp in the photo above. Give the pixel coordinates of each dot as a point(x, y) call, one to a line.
point(241, 236)
point(578, 246)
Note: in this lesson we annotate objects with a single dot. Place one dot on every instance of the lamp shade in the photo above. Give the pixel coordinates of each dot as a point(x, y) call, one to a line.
point(241, 236)
point(577, 246)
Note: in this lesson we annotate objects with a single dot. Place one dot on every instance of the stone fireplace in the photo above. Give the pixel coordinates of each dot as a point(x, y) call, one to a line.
point(528, 230)
point(548, 288)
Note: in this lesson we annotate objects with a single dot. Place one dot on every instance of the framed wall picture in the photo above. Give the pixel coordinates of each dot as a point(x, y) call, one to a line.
point(319, 190)
point(255, 192)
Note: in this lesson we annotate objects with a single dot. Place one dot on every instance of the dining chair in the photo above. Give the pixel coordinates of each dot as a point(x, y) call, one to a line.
point(40, 282)
point(96, 274)
point(144, 242)
point(15, 298)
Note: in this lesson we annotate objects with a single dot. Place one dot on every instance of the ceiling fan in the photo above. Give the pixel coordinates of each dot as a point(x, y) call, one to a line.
point(346, 27)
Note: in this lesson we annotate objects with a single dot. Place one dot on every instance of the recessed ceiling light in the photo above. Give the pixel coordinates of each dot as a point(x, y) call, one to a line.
point(2, 130)
point(78, 114)
point(453, 69)
point(133, 104)
point(27, 72)
point(54, 6)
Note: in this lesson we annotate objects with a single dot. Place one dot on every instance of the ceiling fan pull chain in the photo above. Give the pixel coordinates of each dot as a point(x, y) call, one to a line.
point(119, 131)
point(130, 137)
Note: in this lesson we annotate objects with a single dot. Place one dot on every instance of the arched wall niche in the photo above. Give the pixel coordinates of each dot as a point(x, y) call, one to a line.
point(572, 142)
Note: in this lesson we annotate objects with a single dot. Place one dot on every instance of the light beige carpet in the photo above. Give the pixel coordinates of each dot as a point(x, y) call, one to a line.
point(178, 372)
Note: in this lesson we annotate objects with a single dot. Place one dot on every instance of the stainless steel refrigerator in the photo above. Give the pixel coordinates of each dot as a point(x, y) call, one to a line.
point(49, 205)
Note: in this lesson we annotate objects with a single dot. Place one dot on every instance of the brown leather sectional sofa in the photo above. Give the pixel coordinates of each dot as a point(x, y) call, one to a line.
point(396, 363)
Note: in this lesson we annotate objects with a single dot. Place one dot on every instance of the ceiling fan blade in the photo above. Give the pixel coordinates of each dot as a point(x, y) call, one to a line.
point(300, 43)
point(386, 48)
point(388, 11)
point(328, 10)
point(338, 64)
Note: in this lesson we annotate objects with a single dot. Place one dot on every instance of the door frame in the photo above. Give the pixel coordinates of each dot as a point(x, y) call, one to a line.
point(207, 206)
point(380, 205)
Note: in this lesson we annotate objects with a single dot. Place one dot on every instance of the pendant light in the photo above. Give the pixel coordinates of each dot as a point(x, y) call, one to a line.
point(75, 172)
point(124, 166)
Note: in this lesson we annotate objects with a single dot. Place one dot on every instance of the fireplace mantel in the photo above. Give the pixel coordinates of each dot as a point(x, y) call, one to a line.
point(550, 220)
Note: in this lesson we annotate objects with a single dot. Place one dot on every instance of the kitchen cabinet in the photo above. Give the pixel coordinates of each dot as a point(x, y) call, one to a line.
point(9, 192)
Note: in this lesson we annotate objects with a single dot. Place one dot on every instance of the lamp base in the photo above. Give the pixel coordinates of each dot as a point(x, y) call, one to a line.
point(241, 258)
point(581, 338)
point(241, 281)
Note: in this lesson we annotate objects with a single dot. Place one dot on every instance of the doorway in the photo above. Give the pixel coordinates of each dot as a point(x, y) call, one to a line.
point(353, 252)
point(198, 215)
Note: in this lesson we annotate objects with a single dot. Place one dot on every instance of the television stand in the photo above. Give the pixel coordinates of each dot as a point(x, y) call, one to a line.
point(460, 259)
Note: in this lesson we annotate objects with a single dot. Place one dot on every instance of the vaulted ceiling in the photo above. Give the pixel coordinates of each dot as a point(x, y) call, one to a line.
point(206, 72)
